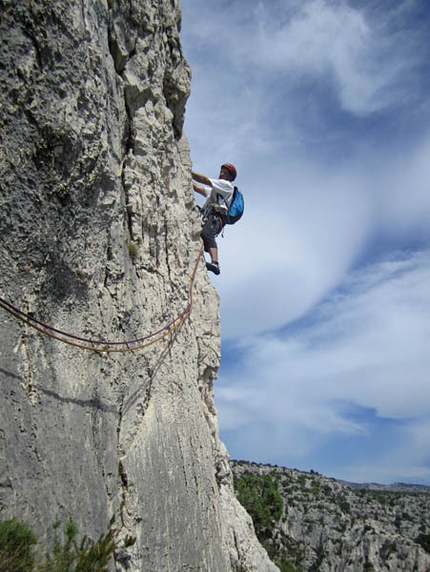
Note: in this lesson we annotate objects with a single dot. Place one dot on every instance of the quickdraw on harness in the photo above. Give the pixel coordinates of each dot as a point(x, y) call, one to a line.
point(214, 209)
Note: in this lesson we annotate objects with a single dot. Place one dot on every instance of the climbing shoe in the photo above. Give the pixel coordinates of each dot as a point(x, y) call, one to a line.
point(213, 267)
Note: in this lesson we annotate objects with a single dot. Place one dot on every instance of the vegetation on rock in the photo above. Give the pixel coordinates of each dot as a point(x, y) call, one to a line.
point(259, 495)
point(66, 554)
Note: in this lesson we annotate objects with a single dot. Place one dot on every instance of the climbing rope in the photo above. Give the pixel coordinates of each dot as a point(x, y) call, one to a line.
point(101, 345)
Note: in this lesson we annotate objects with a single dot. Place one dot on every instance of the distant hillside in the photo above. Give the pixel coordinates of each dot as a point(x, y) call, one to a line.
point(394, 487)
point(309, 522)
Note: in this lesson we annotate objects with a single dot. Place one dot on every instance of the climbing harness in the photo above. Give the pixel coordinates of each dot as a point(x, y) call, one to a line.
point(216, 211)
point(101, 345)
point(213, 209)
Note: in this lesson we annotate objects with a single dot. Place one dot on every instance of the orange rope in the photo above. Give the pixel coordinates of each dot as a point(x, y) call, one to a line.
point(100, 345)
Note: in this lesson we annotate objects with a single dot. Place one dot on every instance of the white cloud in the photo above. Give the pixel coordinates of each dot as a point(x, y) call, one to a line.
point(367, 348)
point(289, 250)
point(367, 60)
point(405, 194)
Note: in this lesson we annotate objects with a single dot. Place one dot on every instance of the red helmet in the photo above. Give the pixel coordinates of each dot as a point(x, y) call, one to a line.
point(231, 169)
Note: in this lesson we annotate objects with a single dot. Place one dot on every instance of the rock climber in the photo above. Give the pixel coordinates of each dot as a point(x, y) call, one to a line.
point(219, 194)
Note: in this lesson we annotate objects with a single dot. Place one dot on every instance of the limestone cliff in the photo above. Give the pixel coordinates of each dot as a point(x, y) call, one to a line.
point(99, 239)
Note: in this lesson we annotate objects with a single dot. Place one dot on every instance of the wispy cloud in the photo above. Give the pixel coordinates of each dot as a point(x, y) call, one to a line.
point(366, 59)
point(364, 349)
point(370, 61)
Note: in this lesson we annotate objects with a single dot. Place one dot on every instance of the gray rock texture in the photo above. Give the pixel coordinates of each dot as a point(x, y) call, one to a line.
point(330, 526)
point(99, 239)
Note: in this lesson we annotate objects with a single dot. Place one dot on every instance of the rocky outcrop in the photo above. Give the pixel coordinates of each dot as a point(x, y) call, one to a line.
point(331, 526)
point(99, 239)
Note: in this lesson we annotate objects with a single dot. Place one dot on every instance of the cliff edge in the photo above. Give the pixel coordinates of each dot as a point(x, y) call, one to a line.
point(100, 243)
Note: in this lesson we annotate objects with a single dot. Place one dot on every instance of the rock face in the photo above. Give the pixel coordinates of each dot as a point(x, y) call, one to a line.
point(331, 526)
point(99, 239)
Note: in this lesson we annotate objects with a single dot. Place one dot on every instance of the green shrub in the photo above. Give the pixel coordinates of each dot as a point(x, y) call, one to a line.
point(344, 505)
point(66, 554)
point(86, 556)
point(16, 546)
point(133, 249)
point(424, 541)
point(285, 565)
point(260, 496)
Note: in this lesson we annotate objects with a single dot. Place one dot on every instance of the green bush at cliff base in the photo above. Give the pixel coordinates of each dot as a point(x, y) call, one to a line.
point(70, 556)
point(16, 547)
point(17, 543)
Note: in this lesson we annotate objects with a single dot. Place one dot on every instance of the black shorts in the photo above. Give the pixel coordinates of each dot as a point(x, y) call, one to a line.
point(211, 229)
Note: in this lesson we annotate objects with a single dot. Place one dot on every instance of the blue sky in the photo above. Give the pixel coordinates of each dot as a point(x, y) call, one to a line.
point(324, 108)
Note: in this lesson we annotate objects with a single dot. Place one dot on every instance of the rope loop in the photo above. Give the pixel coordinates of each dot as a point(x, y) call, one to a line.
point(102, 345)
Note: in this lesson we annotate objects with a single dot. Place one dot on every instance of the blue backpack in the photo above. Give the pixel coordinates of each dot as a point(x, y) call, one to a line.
point(237, 207)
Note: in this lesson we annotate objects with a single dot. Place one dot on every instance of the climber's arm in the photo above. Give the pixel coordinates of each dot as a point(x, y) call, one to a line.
point(198, 189)
point(201, 179)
